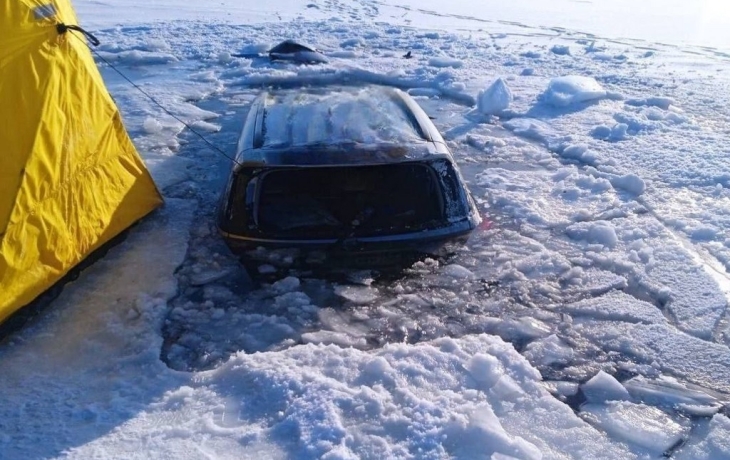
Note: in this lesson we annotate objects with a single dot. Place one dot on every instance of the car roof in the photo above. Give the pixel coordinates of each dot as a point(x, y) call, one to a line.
point(343, 125)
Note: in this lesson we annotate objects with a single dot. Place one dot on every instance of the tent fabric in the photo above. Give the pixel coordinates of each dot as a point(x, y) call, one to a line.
point(70, 177)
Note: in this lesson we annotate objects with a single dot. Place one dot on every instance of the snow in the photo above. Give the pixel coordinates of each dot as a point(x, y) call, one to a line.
point(587, 318)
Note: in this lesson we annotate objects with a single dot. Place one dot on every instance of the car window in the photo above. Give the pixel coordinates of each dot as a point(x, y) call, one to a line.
point(365, 116)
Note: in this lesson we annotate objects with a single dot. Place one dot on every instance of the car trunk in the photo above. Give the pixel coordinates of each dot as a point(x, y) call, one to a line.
point(353, 201)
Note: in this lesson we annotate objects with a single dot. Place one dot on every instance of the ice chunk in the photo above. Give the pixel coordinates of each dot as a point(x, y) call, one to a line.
point(266, 269)
point(442, 62)
point(601, 132)
point(457, 271)
point(715, 445)
point(507, 389)
point(644, 426)
point(357, 294)
point(352, 43)
point(562, 388)
point(208, 276)
point(288, 284)
point(293, 301)
point(603, 387)
point(619, 132)
point(424, 92)
point(531, 128)
point(334, 338)
point(603, 234)
point(255, 49)
point(139, 57)
point(483, 435)
point(361, 277)
point(572, 89)
point(666, 391)
point(522, 328)
point(630, 183)
point(616, 133)
point(205, 126)
point(499, 456)
point(616, 305)
point(661, 102)
point(495, 99)
point(574, 152)
point(650, 119)
point(378, 368)
point(561, 50)
point(476, 141)
point(593, 232)
point(152, 125)
point(547, 351)
point(703, 232)
point(485, 369)
point(531, 54)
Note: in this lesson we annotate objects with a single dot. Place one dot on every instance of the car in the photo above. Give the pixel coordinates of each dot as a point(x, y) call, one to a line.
point(343, 176)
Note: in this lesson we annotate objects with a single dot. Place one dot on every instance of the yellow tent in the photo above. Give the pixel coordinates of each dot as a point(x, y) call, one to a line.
point(70, 178)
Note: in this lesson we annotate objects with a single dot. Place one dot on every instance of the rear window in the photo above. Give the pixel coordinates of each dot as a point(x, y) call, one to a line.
point(365, 116)
point(339, 202)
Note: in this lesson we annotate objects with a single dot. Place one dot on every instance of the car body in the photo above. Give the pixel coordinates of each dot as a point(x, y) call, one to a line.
point(345, 174)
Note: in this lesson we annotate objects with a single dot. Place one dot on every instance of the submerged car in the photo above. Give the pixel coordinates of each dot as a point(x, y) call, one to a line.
point(351, 176)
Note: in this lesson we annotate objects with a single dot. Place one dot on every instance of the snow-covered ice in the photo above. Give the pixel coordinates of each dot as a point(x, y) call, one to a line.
point(586, 318)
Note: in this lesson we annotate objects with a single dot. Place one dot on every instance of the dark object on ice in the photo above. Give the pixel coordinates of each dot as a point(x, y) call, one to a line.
point(349, 177)
point(291, 50)
point(407, 55)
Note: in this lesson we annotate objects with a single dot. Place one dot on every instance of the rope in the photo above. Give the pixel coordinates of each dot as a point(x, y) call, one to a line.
point(63, 28)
